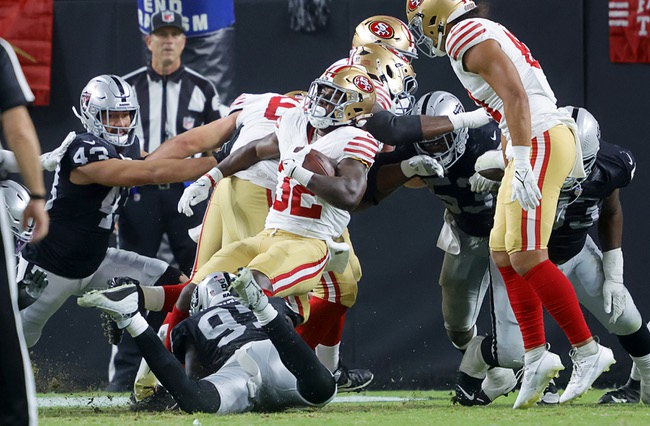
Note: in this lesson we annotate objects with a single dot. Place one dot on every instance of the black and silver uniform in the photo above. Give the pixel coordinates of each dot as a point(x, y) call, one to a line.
point(217, 333)
point(473, 213)
point(81, 216)
point(614, 168)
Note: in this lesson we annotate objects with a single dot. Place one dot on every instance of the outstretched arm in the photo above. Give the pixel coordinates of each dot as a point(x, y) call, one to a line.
point(116, 172)
point(200, 139)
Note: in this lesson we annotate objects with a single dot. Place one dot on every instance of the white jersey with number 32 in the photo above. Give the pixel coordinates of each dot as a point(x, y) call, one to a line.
point(298, 210)
point(471, 32)
point(258, 116)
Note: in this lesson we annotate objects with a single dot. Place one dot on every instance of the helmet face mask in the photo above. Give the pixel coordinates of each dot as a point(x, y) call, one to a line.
point(428, 19)
point(385, 31)
point(390, 67)
point(447, 148)
point(104, 99)
point(15, 198)
point(342, 95)
point(589, 138)
point(211, 291)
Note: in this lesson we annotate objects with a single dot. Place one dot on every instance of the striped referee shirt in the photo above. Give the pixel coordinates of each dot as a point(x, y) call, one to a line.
point(171, 104)
point(14, 90)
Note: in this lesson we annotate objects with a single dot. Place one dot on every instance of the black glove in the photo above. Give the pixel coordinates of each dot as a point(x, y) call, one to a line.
point(31, 287)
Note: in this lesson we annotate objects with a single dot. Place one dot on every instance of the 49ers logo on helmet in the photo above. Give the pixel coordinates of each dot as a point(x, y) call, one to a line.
point(381, 29)
point(363, 84)
point(413, 4)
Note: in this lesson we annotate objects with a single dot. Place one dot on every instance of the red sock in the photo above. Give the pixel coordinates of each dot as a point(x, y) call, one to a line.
point(171, 295)
point(526, 306)
point(173, 319)
point(559, 298)
point(325, 325)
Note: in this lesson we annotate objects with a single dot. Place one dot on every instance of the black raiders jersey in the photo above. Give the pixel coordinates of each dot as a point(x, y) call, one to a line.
point(81, 216)
point(614, 168)
point(217, 333)
point(473, 213)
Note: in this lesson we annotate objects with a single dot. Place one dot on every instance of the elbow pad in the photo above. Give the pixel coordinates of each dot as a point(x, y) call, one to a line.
point(395, 130)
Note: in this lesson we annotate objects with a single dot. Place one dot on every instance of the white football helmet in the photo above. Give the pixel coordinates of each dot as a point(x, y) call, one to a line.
point(428, 21)
point(211, 291)
point(448, 148)
point(15, 198)
point(386, 31)
point(589, 138)
point(387, 65)
point(343, 95)
point(101, 96)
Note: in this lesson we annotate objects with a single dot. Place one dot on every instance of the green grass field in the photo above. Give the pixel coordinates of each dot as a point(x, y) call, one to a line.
point(418, 408)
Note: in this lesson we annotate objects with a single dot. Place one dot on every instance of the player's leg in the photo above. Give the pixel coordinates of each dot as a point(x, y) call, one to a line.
point(315, 382)
point(16, 377)
point(35, 316)
point(289, 266)
point(586, 273)
point(122, 304)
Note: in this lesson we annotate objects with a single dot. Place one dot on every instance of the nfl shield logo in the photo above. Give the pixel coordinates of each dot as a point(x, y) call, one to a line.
point(168, 16)
point(188, 123)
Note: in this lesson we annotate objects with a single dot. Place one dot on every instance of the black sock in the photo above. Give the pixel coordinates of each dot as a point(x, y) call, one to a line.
point(637, 344)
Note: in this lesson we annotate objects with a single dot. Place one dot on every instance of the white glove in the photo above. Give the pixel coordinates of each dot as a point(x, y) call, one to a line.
point(480, 184)
point(292, 166)
point(470, 120)
point(492, 159)
point(524, 181)
point(198, 191)
point(422, 165)
point(614, 292)
point(50, 160)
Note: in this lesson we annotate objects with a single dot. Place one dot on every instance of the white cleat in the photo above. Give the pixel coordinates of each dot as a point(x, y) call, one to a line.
point(586, 370)
point(498, 382)
point(247, 291)
point(537, 376)
point(121, 303)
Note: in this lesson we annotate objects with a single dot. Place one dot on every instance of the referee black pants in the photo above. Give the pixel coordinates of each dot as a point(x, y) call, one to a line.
point(18, 400)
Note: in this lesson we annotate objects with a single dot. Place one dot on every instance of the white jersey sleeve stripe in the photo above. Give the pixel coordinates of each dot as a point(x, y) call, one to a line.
point(465, 38)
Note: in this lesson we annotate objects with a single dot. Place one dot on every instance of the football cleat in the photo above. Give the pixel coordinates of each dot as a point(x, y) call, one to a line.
point(247, 291)
point(536, 377)
point(468, 391)
point(629, 393)
point(112, 332)
point(120, 303)
point(551, 395)
point(586, 370)
point(351, 380)
point(160, 400)
point(498, 382)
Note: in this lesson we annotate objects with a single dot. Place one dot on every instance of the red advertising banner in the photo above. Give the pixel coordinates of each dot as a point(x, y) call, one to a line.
point(27, 25)
point(629, 31)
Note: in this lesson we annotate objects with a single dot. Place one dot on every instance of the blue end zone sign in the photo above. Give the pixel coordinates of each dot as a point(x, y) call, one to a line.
point(200, 17)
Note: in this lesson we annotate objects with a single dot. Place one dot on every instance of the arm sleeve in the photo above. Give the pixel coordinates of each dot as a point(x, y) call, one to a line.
point(395, 130)
point(385, 158)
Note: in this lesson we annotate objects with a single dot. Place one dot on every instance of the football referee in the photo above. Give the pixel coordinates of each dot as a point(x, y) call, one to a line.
point(173, 99)
point(18, 403)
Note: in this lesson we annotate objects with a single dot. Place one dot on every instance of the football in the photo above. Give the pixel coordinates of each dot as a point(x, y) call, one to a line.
point(492, 174)
point(319, 163)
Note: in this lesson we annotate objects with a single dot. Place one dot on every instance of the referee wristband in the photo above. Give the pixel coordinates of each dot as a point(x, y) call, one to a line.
point(37, 196)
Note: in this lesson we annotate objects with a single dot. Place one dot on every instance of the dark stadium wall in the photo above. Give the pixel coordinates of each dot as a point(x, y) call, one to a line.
point(396, 327)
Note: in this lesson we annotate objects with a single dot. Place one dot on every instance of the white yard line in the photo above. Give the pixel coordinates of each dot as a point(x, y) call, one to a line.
point(116, 401)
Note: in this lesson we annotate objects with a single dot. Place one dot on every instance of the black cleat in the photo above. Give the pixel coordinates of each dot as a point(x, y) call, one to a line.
point(629, 393)
point(468, 391)
point(161, 400)
point(352, 380)
point(551, 395)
